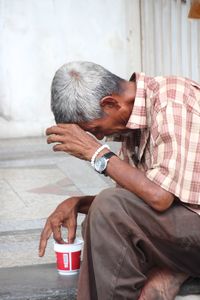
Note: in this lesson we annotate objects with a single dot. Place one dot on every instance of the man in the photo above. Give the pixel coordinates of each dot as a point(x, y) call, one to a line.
point(142, 237)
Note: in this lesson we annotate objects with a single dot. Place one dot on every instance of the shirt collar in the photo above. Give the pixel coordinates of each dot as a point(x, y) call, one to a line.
point(138, 117)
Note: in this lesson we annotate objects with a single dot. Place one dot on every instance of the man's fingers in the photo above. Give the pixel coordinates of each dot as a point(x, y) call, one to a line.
point(57, 235)
point(55, 138)
point(60, 147)
point(55, 130)
point(70, 127)
point(46, 233)
point(63, 129)
point(72, 233)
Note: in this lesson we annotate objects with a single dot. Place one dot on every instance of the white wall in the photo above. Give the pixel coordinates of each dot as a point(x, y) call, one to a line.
point(37, 37)
point(171, 41)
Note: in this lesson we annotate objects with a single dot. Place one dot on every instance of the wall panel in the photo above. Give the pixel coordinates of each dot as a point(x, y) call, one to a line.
point(170, 41)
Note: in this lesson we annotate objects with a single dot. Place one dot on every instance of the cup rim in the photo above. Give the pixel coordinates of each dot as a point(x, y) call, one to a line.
point(77, 241)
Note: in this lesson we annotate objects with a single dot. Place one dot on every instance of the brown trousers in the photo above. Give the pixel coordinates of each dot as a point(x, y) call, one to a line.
point(125, 238)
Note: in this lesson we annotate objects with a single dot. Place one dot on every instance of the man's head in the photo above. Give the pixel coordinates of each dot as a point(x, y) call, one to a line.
point(89, 95)
point(77, 90)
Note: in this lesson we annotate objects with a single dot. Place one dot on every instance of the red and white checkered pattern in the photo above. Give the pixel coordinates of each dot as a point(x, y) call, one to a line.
point(167, 112)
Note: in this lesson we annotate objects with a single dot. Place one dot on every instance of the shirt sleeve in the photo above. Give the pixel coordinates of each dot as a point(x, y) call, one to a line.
point(175, 137)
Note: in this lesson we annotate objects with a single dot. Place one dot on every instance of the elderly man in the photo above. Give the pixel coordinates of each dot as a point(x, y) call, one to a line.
point(141, 238)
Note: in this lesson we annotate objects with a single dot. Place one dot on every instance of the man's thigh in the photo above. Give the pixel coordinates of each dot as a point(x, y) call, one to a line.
point(169, 238)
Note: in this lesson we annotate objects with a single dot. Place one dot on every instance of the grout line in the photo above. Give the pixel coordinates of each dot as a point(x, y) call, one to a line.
point(16, 193)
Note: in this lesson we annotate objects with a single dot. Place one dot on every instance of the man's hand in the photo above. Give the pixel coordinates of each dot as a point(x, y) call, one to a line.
point(72, 139)
point(65, 215)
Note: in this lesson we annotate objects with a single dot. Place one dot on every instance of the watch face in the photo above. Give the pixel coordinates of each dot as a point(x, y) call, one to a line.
point(100, 164)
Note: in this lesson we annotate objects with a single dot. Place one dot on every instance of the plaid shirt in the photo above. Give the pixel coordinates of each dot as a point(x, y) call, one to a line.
point(165, 143)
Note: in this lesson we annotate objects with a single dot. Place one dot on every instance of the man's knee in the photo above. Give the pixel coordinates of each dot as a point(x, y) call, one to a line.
point(105, 212)
point(105, 200)
point(100, 209)
point(110, 202)
point(103, 204)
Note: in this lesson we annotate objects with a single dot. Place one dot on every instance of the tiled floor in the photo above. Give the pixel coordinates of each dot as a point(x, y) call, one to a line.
point(33, 179)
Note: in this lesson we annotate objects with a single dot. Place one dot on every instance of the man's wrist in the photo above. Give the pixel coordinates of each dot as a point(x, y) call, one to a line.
point(97, 152)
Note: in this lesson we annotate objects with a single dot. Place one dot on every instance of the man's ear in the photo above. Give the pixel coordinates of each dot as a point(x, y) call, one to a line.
point(109, 103)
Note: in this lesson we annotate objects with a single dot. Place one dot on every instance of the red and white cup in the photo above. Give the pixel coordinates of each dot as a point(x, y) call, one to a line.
point(68, 257)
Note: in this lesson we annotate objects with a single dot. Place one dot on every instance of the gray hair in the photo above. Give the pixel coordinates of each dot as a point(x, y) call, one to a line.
point(77, 89)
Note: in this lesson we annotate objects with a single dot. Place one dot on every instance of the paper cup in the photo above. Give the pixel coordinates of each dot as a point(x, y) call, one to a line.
point(68, 257)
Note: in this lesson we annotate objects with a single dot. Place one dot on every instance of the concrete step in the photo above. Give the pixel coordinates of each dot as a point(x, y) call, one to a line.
point(191, 287)
point(41, 282)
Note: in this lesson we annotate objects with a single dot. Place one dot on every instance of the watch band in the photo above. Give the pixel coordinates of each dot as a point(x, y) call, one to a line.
point(108, 155)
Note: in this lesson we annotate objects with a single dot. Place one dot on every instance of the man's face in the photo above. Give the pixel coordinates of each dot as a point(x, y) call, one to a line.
point(104, 127)
point(116, 110)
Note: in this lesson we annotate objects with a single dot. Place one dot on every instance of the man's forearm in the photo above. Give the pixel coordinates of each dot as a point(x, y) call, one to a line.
point(136, 182)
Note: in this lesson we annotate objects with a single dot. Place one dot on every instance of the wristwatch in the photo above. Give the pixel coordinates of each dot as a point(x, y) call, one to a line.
point(100, 163)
